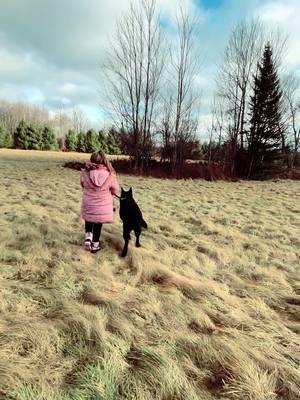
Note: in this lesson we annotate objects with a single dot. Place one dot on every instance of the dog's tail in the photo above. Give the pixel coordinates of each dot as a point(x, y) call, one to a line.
point(144, 224)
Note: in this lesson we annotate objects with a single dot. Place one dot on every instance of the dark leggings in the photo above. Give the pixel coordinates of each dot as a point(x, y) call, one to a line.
point(95, 228)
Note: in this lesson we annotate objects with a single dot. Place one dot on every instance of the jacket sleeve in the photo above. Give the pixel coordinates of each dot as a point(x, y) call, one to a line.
point(81, 180)
point(114, 187)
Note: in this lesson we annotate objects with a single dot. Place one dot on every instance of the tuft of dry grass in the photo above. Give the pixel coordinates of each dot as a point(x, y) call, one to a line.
point(207, 309)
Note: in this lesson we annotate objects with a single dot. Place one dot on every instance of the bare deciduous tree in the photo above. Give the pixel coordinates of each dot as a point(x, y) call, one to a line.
point(291, 107)
point(80, 120)
point(61, 122)
point(216, 129)
point(133, 69)
point(180, 116)
point(186, 65)
point(234, 81)
point(167, 129)
point(11, 113)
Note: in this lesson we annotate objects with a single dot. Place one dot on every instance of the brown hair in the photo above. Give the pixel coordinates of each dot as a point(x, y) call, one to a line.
point(101, 158)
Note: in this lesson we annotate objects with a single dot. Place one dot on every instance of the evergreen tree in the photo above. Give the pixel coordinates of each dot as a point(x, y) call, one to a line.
point(34, 137)
point(71, 140)
point(5, 138)
point(91, 141)
point(113, 141)
point(49, 141)
point(20, 136)
point(266, 125)
point(102, 140)
point(81, 143)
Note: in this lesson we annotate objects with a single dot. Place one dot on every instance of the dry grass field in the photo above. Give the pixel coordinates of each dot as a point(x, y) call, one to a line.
point(207, 309)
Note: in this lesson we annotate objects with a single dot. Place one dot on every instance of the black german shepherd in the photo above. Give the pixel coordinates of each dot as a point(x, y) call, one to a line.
point(132, 218)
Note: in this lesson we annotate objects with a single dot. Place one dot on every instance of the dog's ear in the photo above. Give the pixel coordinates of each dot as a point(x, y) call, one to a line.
point(122, 191)
point(130, 192)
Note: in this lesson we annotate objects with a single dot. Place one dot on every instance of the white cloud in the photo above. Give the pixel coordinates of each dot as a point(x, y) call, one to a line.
point(285, 16)
point(276, 12)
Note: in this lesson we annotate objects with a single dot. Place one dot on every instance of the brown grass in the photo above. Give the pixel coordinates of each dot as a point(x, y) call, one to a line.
point(207, 309)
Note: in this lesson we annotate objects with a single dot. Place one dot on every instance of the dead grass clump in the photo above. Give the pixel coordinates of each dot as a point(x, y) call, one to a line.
point(251, 383)
point(210, 250)
point(287, 388)
point(168, 280)
point(31, 351)
point(31, 273)
point(218, 378)
point(97, 299)
point(82, 327)
point(134, 373)
point(152, 368)
point(118, 325)
point(205, 327)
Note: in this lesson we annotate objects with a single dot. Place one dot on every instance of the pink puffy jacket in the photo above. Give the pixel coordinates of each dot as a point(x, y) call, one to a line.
point(99, 186)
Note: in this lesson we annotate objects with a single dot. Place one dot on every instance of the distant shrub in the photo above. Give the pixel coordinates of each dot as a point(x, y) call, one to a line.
point(5, 138)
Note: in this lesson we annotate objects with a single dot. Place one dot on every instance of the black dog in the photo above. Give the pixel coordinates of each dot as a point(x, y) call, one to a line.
point(132, 218)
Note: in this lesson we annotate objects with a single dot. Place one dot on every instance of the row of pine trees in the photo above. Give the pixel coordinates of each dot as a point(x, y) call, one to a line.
point(110, 141)
point(31, 137)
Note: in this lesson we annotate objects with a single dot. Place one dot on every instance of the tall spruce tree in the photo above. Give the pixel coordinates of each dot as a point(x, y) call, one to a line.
point(102, 139)
point(5, 138)
point(48, 139)
point(91, 141)
point(71, 140)
point(34, 137)
point(20, 136)
point(266, 126)
point(113, 141)
point(81, 143)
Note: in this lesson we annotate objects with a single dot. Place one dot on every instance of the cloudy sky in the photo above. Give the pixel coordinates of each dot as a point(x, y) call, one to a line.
point(51, 50)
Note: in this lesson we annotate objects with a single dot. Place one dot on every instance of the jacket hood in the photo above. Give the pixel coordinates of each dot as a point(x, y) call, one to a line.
point(99, 176)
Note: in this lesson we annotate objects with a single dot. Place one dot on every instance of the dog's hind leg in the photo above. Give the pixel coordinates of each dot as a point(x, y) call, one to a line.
point(137, 232)
point(126, 236)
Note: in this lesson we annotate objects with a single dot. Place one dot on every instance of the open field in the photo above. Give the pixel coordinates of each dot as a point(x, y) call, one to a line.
point(207, 309)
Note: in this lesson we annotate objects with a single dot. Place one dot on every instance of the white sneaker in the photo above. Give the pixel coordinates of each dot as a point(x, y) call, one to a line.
point(95, 247)
point(88, 241)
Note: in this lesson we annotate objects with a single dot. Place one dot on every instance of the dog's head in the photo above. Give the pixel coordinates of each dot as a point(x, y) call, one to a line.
point(126, 195)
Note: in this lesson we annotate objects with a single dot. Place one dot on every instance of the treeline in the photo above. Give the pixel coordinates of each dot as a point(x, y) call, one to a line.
point(110, 141)
point(30, 137)
point(27, 126)
point(34, 137)
point(60, 120)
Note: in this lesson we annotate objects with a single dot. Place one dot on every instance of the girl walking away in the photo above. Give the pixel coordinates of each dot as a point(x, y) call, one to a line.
point(99, 184)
